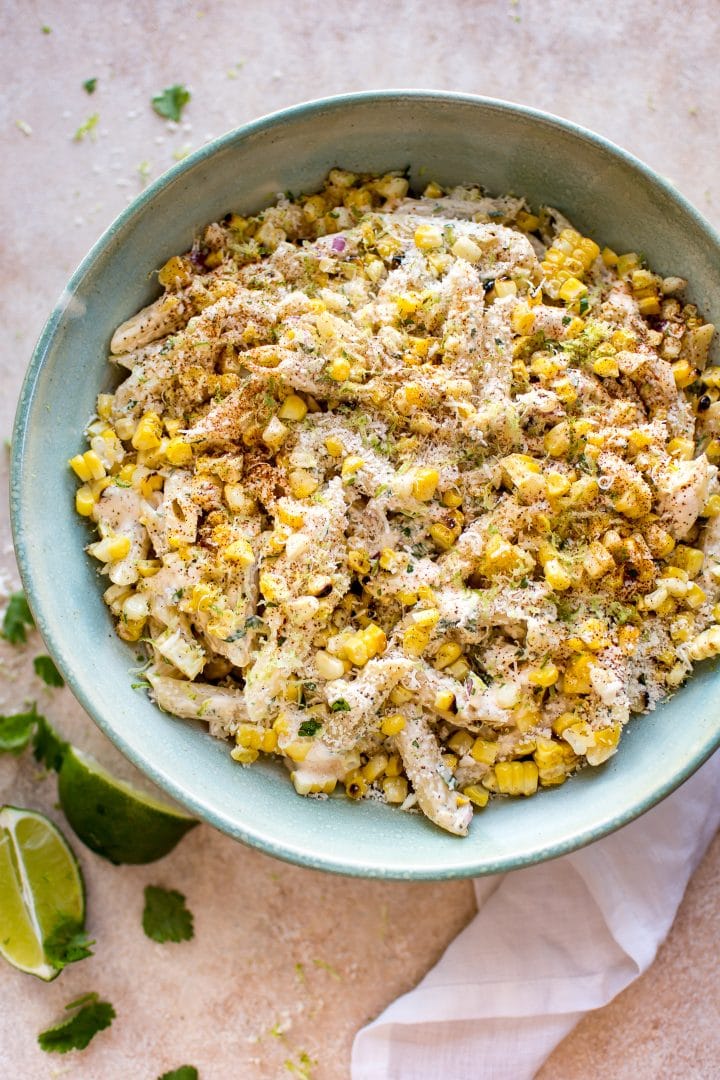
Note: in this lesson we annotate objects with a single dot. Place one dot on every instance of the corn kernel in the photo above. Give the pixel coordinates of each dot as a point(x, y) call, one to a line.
point(249, 736)
point(688, 559)
point(334, 447)
point(683, 374)
point(427, 237)
point(351, 465)
point(442, 536)
point(339, 369)
point(425, 482)
point(465, 248)
point(358, 561)
point(84, 501)
point(627, 263)
point(576, 679)
point(516, 777)
point(293, 408)
point(374, 638)
point(606, 367)
point(239, 551)
point(395, 789)
point(609, 257)
point(416, 639)
point(356, 651)
point(681, 448)
point(148, 433)
point(178, 452)
point(302, 483)
point(484, 752)
point(556, 575)
point(557, 484)
point(375, 767)
point(544, 676)
point(447, 654)
point(505, 288)
point(355, 784)
point(400, 695)
point(478, 796)
point(444, 700)
point(391, 725)
point(572, 289)
point(557, 440)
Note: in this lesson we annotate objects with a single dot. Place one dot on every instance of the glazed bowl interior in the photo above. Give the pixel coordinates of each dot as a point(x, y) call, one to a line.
point(451, 139)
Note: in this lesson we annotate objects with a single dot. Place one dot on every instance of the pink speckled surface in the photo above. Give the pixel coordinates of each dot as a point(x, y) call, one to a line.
point(288, 961)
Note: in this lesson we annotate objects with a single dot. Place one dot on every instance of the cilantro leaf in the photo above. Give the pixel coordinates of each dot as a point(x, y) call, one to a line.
point(309, 727)
point(89, 85)
point(48, 748)
point(170, 102)
point(165, 917)
point(340, 705)
point(45, 669)
point(87, 127)
point(16, 619)
point(78, 1030)
point(185, 1072)
point(16, 731)
point(67, 944)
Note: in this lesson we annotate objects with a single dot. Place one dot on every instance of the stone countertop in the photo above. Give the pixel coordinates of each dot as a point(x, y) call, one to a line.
point(287, 963)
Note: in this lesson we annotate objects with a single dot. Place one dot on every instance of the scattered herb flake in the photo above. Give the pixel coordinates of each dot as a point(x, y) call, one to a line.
point(90, 85)
point(16, 619)
point(340, 705)
point(45, 669)
point(87, 128)
point(16, 731)
point(67, 944)
point(46, 29)
point(165, 917)
point(185, 1072)
point(77, 1031)
point(171, 101)
point(310, 727)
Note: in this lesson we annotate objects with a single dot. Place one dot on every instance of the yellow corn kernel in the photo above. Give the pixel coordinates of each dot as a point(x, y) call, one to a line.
point(444, 700)
point(604, 744)
point(178, 452)
point(628, 637)
point(239, 551)
point(576, 678)
point(293, 408)
point(695, 597)
point(244, 754)
point(688, 559)
point(516, 777)
point(427, 237)
point(447, 654)
point(351, 465)
point(290, 517)
point(84, 501)
point(148, 433)
point(527, 222)
point(505, 288)
point(329, 667)
point(442, 536)
point(627, 263)
point(593, 633)
point(459, 670)
point(609, 257)
point(395, 789)
point(557, 440)
point(572, 289)
point(269, 587)
point(249, 736)
point(451, 498)
point(356, 651)
point(556, 575)
point(483, 751)
point(606, 367)
point(416, 639)
point(649, 305)
point(522, 319)
point(544, 676)
point(465, 248)
point(407, 598)
point(103, 406)
point(358, 561)
point(375, 767)
point(711, 507)
point(389, 560)
point(705, 645)
point(110, 549)
point(391, 725)
point(425, 482)
point(478, 796)
point(583, 492)
point(355, 784)
point(712, 451)
point(565, 720)
point(681, 448)
point(334, 447)
point(400, 695)
point(149, 484)
point(683, 374)
point(500, 555)
point(302, 484)
point(374, 638)
point(461, 743)
point(298, 751)
point(339, 369)
point(557, 484)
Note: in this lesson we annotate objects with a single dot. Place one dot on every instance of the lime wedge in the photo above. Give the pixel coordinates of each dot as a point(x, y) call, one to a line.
point(113, 818)
point(41, 887)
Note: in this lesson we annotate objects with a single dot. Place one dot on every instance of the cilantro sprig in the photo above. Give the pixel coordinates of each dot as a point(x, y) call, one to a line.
point(185, 1072)
point(165, 917)
point(17, 730)
point(67, 944)
point(89, 1016)
point(17, 619)
point(171, 101)
point(45, 669)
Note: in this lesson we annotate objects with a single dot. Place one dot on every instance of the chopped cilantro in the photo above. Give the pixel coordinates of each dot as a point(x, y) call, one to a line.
point(185, 1072)
point(67, 944)
point(254, 622)
point(16, 731)
point(90, 85)
point(74, 1033)
point(171, 101)
point(16, 619)
point(584, 305)
point(45, 669)
point(340, 705)
point(566, 320)
point(48, 748)
point(165, 917)
point(87, 127)
point(46, 29)
point(310, 727)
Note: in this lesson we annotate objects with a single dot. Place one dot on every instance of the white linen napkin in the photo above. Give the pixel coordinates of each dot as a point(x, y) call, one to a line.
point(548, 944)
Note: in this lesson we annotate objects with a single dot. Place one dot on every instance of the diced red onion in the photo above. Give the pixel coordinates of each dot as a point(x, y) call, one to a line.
point(338, 243)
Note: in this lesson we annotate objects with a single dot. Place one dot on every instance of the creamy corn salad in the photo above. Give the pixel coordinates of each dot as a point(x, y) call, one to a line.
point(416, 494)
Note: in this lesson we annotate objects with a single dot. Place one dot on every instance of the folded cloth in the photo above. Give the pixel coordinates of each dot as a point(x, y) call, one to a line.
point(548, 943)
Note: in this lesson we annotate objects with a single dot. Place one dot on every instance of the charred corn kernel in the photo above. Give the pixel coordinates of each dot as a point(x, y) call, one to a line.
point(505, 288)
point(557, 440)
point(681, 448)
point(609, 257)
point(516, 777)
point(178, 452)
point(606, 367)
point(391, 725)
point(465, 248)
point(460, 743)
point(148, 433)
point(447, 654)
point(627, 263)
point(84, 501)
point(527, 222)
point(451, 498)
point(683, 374)
point(442, 536)
point(427, 237)
point(688, 559)
point(416, 639)
point(375, 767)
point(374, 638)
point(149, 484)
point(576, 678)
point(557, 484)
point(351, 465)
point(705, 645)
point(293, 408)
point(239, 551)
point(483, 751)
point(356, 651)
point(565, 720)
point(358, 561)
point(544, 676)
point(556, 575)
point(424, 485)
point(302, 484)
point(249, 736)
point(572, 289)
point(444, 700)
point(334, 447)
point(339, 369)
point(395, 789)
point(355, 784)
point(329, 667)
point(400, 696)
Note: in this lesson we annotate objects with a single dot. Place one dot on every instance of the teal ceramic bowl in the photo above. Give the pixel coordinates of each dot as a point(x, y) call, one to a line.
point(451, 139)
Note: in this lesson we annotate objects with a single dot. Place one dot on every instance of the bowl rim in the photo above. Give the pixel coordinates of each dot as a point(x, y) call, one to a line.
point(286, 850)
